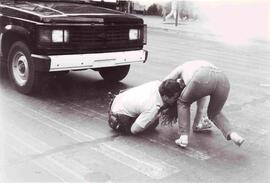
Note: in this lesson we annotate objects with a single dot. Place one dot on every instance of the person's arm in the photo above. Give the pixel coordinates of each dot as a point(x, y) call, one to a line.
point(175, 74)
point(135, 129)
point(144, 120)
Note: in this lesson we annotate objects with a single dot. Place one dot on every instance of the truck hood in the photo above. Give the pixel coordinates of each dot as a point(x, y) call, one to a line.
point(64, 12)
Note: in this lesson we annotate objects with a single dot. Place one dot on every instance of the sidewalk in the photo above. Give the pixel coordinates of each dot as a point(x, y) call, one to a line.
point(195, 29)
point(157, 23)
point(190, 28)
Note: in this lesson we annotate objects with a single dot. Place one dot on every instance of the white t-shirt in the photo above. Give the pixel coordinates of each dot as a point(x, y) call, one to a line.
point(187, 70)
point(142, 102)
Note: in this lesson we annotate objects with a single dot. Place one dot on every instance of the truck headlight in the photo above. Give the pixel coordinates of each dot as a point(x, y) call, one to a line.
point(60, 36)
point(134, 34)
point(53, 36)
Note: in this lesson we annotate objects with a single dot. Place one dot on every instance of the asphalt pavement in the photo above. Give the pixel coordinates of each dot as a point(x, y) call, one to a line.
point(61, 134)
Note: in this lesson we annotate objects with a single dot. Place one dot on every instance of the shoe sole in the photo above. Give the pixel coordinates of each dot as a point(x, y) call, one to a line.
point(200, 130)
point(240, 142)
point(181, 145)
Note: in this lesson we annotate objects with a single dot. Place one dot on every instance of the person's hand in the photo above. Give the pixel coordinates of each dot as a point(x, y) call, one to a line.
point(181, 83)
point(182, 141)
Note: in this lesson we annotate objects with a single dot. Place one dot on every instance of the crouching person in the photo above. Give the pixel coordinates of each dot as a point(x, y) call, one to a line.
point(137, 109)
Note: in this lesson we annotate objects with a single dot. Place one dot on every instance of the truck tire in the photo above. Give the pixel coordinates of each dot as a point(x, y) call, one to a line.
point(21, 68)
point(114, 73)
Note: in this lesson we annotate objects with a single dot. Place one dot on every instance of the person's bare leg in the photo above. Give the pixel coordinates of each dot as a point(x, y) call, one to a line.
point(199, 111)
point(201, 121)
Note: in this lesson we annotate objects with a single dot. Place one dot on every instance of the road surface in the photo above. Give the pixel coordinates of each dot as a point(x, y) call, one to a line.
point(61, 134)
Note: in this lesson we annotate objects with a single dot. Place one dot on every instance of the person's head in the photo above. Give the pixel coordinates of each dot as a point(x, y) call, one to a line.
point(169, 91)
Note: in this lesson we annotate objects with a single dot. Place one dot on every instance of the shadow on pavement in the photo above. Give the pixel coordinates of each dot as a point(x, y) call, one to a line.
point(82, 88)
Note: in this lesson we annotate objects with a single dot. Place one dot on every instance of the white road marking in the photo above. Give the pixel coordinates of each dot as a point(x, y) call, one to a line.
point(144, 164)
point(265, 85)
point(57, 164)
point(57, 125)
point(189, 151)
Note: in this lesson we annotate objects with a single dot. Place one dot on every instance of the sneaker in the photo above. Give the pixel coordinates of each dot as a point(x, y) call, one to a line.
point(237, 139)
point(113, 123)
point(204, 124)
point(182, 141)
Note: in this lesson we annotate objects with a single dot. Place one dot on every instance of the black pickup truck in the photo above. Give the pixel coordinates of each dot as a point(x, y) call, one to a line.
point(49, 36)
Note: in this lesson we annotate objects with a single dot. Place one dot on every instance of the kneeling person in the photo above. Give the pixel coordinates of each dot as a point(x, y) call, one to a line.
point(137, 109)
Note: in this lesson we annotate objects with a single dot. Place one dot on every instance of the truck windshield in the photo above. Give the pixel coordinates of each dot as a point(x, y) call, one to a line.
point(76, 1)
point(30, 4)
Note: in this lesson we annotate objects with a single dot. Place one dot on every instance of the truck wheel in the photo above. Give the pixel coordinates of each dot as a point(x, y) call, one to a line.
point(114, 73)
point(21, 68)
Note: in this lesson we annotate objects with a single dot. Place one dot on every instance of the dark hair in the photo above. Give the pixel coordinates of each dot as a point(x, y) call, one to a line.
point(169, 87)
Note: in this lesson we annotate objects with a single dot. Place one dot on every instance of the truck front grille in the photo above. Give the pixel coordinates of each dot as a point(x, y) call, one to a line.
point(94, 38)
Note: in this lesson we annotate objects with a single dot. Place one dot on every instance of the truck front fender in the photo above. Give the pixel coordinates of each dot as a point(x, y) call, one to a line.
point(17, 29)
point(10, 33)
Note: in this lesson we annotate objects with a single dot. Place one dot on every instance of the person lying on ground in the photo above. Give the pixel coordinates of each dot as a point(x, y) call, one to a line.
point(137, 109)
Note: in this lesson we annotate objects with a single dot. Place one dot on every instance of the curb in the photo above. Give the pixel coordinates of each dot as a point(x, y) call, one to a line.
point(209, 37)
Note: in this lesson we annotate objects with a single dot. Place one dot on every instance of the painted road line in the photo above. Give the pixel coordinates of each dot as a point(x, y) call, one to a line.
point(188, 151)
point(64, 168)
point(149, 166)
point(145, 164)
point(81, 137)
point(46, 165)
point(54, 124)
point(264, 85)
point(142, 163)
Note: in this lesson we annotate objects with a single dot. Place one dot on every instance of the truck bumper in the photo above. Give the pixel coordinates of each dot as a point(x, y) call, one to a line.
point(87, 61)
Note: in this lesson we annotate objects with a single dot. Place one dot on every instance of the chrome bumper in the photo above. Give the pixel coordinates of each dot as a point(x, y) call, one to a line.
point(93, 60)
